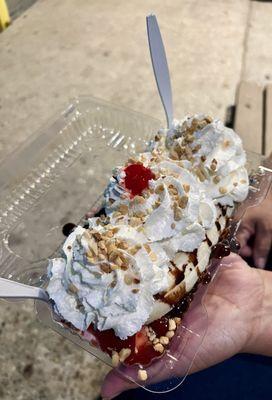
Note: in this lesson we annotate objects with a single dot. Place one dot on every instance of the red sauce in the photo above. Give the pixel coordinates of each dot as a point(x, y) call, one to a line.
point(142, 351)
point(137, 178)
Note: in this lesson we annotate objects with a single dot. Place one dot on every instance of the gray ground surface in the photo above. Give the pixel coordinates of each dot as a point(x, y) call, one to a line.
point(57, 50)
point(17, 7)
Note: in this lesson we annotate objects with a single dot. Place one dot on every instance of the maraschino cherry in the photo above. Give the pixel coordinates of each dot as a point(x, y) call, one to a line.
point(137, 178)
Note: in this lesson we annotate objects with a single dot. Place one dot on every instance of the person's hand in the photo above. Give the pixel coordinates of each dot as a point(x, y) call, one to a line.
point(234, 304)
point(256, 226)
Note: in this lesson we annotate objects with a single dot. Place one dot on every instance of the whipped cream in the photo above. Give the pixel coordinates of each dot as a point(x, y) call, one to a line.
point(198, 174)
point(85, 292)
point(219, 157)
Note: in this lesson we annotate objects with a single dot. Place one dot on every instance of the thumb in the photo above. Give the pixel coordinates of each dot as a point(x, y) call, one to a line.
point(262, 245)
point(244, 234)
point(246, 251)
point(114, 384)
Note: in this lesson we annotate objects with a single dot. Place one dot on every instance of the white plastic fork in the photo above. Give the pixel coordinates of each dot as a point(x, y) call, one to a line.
point(160, 67)
point(18, 291)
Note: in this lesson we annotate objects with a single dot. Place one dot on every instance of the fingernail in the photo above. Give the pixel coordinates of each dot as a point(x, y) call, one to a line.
point(261, 262)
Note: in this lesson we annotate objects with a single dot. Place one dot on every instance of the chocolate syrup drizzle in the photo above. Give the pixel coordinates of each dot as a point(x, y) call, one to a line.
point(218, 251)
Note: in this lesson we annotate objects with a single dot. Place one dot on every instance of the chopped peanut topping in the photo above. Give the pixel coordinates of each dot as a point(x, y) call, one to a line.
point(142, 375)
point(123, 354)
point(115, 359)
point(170, 334)
point(159, 347)
point(128, 279)
point(172, 324)
point(223, 190)
point(164, 340)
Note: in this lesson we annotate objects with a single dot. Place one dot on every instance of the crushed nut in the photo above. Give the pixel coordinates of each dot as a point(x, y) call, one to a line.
point(110, 247)
point(134, 221)
point(200, 174)
point(113, 254)
point(139, 200)
point(153, 256)
point(216, 179)
point(172, 325)
point(177, 320)
point(93, 246)
point(209, 119)
point(133, 250)
point(97, 236)
point(226, 143)
point(72, 288)
point(173, 225)
point(139, 214)
point(174, 155)
point(196, 148)
point(159, 347)
point(159, 189)
point(115, 359)
point(116, 214)
point(155, 341)
point(123, 354)
point(142, 375)
point(213, 167)
point(164, 340)
point(183, 201)
point(223, 190)
point(90, 258)
point(114, 267)
point(186, 187)
point(123, 245)
point(177, 214)
point(118, 261)
point(147, 247)
point(135, 291)
point(101, 245)
point(128, 279)
point(170, 334)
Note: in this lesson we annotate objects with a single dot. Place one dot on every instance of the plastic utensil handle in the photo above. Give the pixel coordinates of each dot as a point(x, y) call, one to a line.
point(160, 66)
point(14, 290)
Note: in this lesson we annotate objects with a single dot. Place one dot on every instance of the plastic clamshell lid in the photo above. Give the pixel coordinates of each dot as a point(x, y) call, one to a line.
point(56, 177)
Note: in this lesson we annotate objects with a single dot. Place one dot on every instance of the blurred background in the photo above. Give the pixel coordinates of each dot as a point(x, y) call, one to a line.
point(54, 50)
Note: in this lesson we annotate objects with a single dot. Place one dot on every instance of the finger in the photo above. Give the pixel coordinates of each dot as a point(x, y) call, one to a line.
point(243, 236)
point(262, 245)
point(246, 251)
point(114, 384)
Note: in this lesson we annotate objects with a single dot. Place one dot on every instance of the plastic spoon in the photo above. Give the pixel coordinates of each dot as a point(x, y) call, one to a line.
point(160, 66)
point(19, 291)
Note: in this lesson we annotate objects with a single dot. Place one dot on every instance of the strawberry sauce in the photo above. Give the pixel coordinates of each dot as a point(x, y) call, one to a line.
point(142, 350)
point(137, 178)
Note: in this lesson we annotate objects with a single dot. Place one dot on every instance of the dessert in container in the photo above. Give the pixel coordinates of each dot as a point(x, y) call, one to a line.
point(57, 176)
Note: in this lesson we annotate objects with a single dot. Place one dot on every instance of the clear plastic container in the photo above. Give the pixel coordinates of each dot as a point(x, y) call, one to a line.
point(56, 177)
